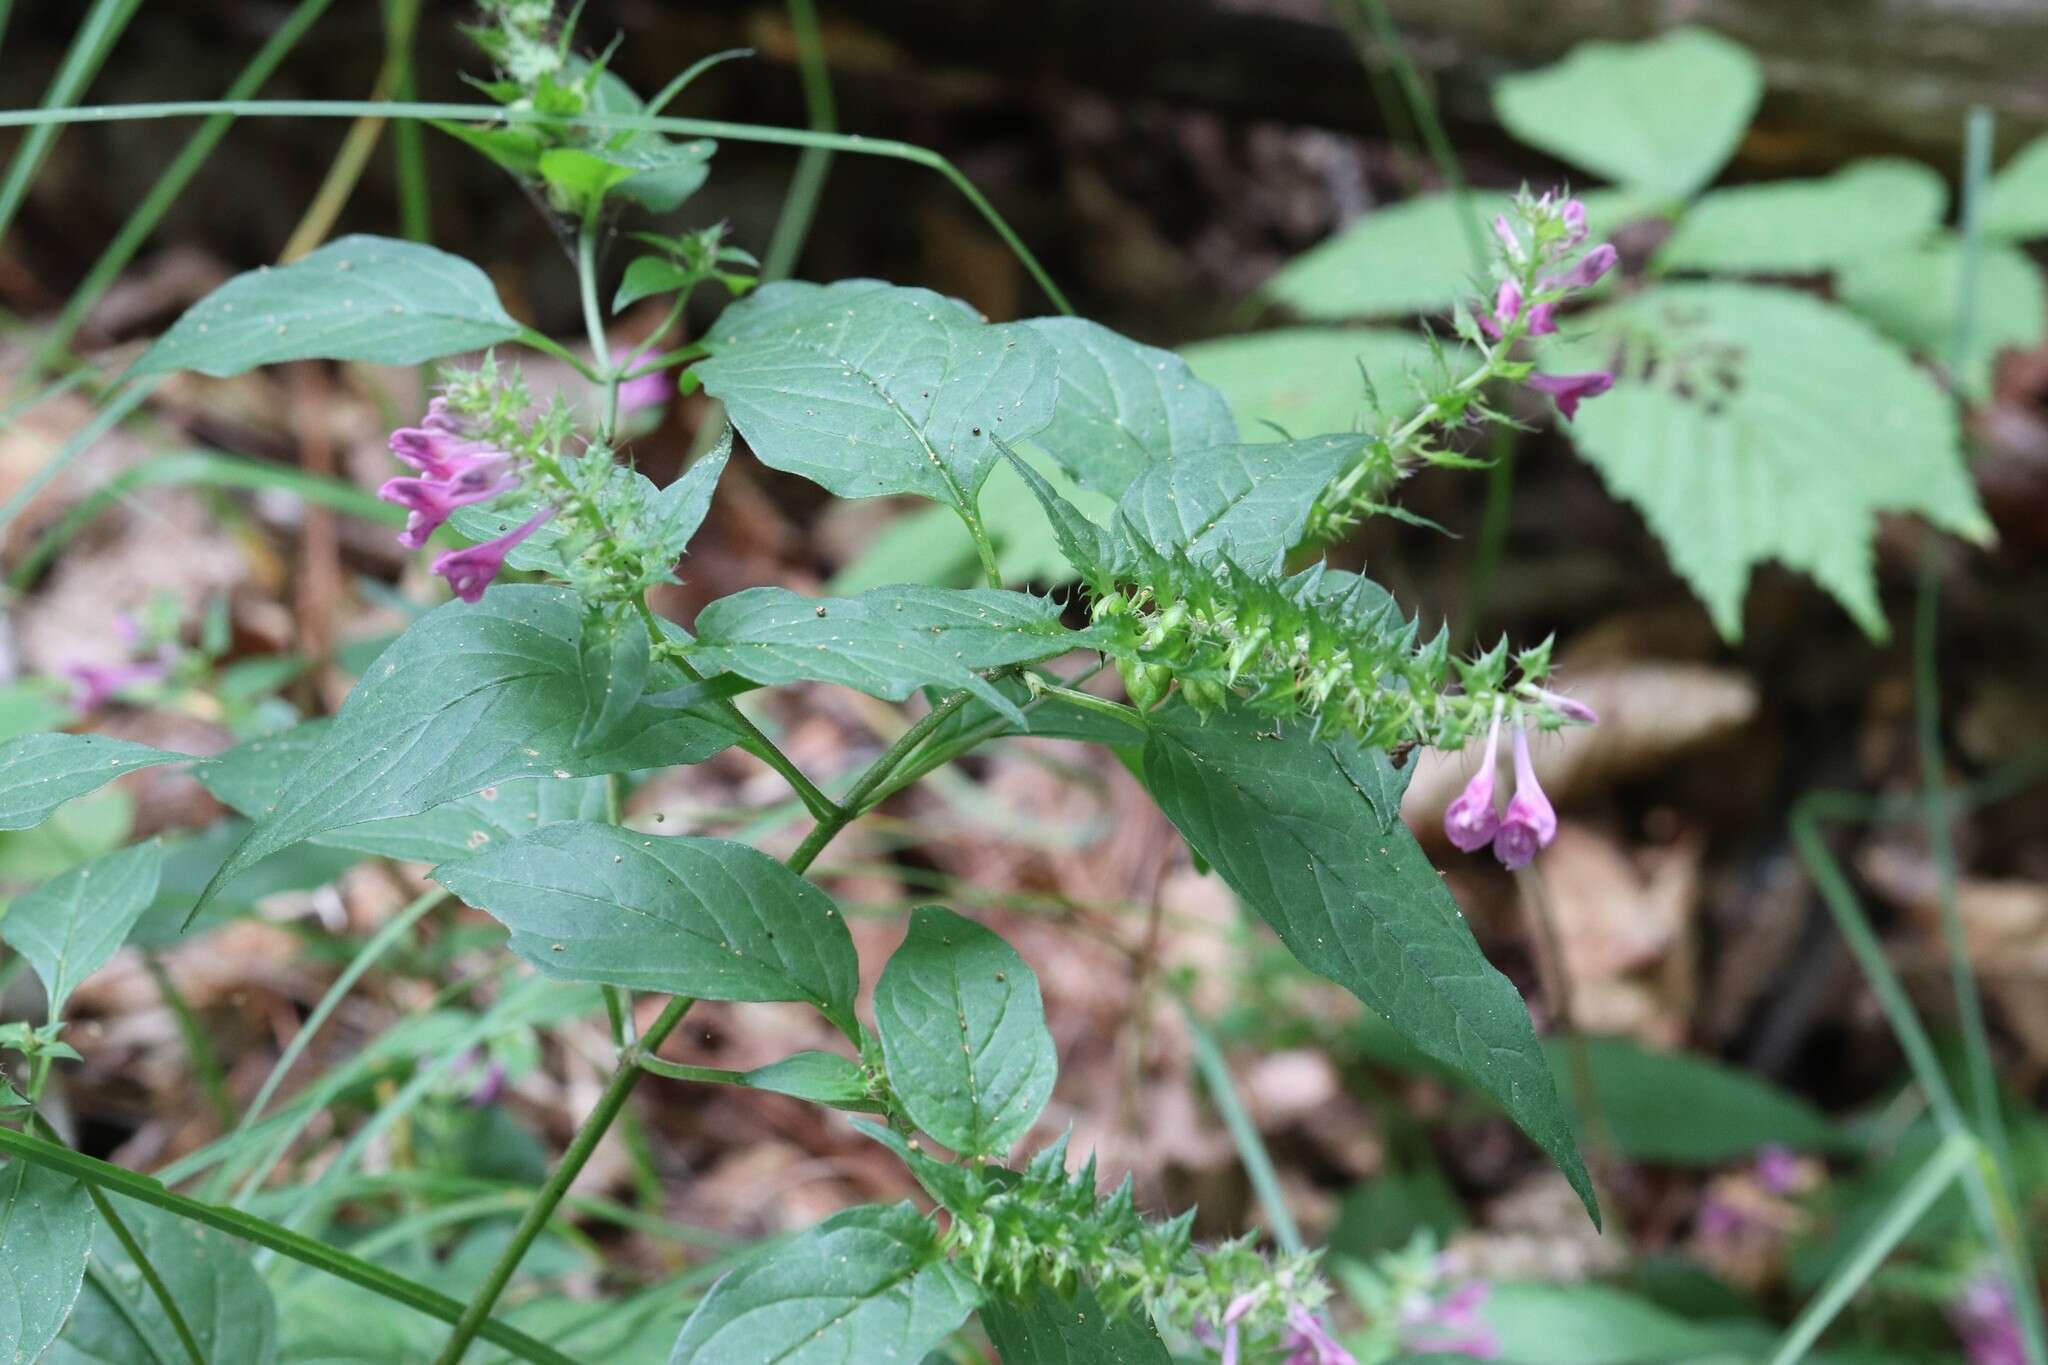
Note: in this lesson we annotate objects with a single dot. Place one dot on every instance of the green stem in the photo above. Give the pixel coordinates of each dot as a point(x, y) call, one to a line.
point(676, 1071)
point(1251, 1148)
point(408, 148)
point(116, 409)
point(593, 321)
point(261, 1232)
point(1493, 529)
point(862, 794)
point(1950, 1159)
point(1432, 127)
point(82, 60)
point(491, 113)
point(807, 183)
point(157, 1288)
point(537, 1215)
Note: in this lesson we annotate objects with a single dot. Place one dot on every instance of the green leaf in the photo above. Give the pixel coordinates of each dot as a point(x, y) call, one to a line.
point(651, 275)
point(1589, 1324)
point(469, 697)
point(887, 642)
point(1911, 295)
point(1768, 425)
point(68, 927)
point(1357, 901)
point(118, 1321)
point(252, 776)
point(870, 389)
point(1798, 226)
point(1249, 503)
point(1674, 1107)
point(2016, 202)
point(39, 773)
point(616, 658)
point(46, 1223)
point(1050, 1328)
point(1307, 380)
point(1123, 406)
point(870, 1284)
point(666, 172)
point(581, 177)
point(1660, 117)
point(516, 148)
point(358, 298)
point(706, 918)
point(1411, 257)
point(963, 1031)
point(819, 1077)
point(189, 864)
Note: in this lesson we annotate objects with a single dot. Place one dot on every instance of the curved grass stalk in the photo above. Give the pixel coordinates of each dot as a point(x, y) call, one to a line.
point(491, 113)
point(95, 38)
point(800, 201)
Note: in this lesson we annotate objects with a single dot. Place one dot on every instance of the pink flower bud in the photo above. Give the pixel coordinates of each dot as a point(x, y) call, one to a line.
point(1571, 389)
point(1308, 1342)
point(1568, 707)
point(1573, 216)
point(1542, 319)
point(1530, 823)
point(472, 570)
point(1591, 267)
point(1506, 232)
point(1470, 820)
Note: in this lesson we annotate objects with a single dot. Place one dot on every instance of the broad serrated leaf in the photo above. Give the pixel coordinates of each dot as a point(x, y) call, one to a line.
point(963, 1031)
point(1356, 900)
point(887, 642)
point(1123, 405)
point(1660, 117)
point(1752, 423)
point(1047, 1327)
point(39, 773)
point(1415, 256)
point(1087, 545)
point(469, 697)
point(1795, 226)
point(69, 926)
point(1911, 295)
point(251, 776)
point(2016, 202)
point(1676, 1108)
point(223, 1300)
point(869, 389)
point(1248, 503)
point(358, 298)
point(705, 918)
point(819, 1077)
point(46, 1225)
point(616, 658)
point(870, 1284)
point(1304, 381)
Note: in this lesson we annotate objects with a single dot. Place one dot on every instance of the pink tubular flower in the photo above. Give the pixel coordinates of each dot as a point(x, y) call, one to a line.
point(436, 449)
point(1506, 232)
point(1571, 389)
point(1573, 215)
point(1570, 708)
point(1542, 319)
point(1507, 306)
point(1591, 268)
point(1984, 1318)
point(470, 571)
point(1530, 823)
point(1308, 1342)
point(430, 502)
point(1470, 820)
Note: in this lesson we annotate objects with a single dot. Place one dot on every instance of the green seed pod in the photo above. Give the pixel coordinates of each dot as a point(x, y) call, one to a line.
point(1145, 683)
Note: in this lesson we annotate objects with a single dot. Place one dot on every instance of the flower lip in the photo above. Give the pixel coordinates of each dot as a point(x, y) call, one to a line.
point(470, 571)
point(1530, 823)
point(1569, 390)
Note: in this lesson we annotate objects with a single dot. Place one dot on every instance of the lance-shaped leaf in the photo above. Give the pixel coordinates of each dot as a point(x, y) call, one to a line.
point(46, 1223)
point(819, 1077)
point(616, 658)
point(963, 1031)
point(253, 775)
point(1047, 1327)
point(706, 918)
point(1753, 423)
point(40, 772)
point(869, 389)
point(869, 1284)
point(69, 926)
point(358, 298)
point(1355, 899)
point(887, 642)
point(1123, 406)
point(470, 696)
point(1248, 503)
point(119, 1320)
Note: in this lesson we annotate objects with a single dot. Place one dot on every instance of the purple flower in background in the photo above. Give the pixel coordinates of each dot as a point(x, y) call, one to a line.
point(1530, 823)
point(1451, 1325)
point(1778, 1169)
point(1507, 306)
point(1569, 390)
point(1983, 1317)
point(1308, 1342)
point(1573, 215)
point(470, 571)
point(94, 685)
point(1470, 820)
point(649, 390)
